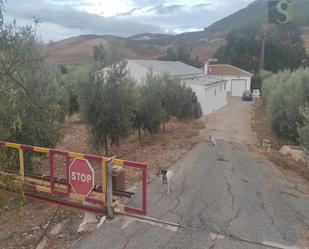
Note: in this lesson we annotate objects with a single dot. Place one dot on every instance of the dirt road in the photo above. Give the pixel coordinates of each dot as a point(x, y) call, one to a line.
point(224, 199)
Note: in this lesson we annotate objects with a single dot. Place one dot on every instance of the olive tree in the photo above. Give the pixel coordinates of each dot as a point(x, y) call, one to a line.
point(151, 114)
point(29, 110)
point(108, 102)
point(163, 97)
point(286, 97)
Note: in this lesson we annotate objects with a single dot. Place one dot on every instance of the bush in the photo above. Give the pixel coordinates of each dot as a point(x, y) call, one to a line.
point(108, 100)
point(163, 97)
point(29, 93)
point(304, 130)
point(151, 114)
point(286, 94)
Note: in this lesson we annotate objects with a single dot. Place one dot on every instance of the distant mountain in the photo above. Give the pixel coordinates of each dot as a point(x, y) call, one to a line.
point(202, 44)
point(143, 46)
point(80, 48)
point(255, 14)
point(150, 36)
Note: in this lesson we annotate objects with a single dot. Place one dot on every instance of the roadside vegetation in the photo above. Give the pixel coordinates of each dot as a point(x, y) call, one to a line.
point(284, 49)
point(37, 97)
point(114, 106)
point(29, 100)
point(286, 97)
point(284, 82)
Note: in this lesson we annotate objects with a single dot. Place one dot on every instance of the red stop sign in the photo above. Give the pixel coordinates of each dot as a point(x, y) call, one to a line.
point(81, 176)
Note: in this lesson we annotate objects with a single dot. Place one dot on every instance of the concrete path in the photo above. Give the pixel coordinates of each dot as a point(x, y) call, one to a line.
point(224, 199)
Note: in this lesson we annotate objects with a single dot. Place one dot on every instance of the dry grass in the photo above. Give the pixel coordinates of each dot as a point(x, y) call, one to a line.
point(37, 221)
point(262, 129)
point(158, 151)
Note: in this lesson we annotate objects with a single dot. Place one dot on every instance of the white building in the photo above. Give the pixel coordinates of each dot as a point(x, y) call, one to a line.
point(210, 91)
point(238, 80)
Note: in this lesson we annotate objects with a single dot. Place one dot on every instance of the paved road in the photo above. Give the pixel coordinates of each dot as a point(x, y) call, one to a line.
point(224, 199)
point(232, 122)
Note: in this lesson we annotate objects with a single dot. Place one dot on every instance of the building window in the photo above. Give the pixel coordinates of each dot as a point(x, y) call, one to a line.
point(225, 86)
point(220, 87)
point(215, 92)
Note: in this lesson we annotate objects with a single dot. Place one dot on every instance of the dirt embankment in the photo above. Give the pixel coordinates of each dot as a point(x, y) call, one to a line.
point(263, 131)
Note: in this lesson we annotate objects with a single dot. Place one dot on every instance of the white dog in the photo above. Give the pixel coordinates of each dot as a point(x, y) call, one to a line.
point(167, 178)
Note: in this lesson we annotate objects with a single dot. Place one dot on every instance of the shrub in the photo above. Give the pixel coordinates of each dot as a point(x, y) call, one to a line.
point(108, 101)
point(285, 95)
point(304, 130)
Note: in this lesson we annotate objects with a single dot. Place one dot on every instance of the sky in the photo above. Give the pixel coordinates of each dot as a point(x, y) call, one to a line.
point(66, 18)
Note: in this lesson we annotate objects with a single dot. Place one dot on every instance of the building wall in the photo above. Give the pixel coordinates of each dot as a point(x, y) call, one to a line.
point(216, 101)
point(212, 97)
point(230, 78)
point(205, 94)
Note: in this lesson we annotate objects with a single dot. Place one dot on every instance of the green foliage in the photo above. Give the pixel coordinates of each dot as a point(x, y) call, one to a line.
point(256, 82)
point(163, 97)
point(151, 114)
point(286, 95)
point(29, 109)
point(242, 50)
point(303, 131)
point(113, 106)
point(9, 202)
point(29, 101)
point(30, 93)
point(180, 54)
point(284, 48)
point(103, 58)
point(69, 87)
point(108, 100)
point(190, 107)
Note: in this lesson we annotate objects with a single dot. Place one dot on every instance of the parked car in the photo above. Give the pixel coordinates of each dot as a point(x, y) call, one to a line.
point(247, 96)
point(256, 93)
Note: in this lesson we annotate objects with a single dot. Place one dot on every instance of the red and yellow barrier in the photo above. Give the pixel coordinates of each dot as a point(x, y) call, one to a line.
point(53, 186)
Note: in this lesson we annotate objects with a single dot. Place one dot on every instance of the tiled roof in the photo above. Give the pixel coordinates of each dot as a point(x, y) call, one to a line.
point(225, 69)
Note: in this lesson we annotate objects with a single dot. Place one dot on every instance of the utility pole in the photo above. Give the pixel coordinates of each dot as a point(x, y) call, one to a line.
point(262, 57)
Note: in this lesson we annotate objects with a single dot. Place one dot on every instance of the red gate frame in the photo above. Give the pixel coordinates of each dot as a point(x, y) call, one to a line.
point(143, 167)
point(52, 152)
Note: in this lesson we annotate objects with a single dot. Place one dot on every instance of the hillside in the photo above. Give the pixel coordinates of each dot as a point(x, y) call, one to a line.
point(202, 44)
point(142, 46)
point(257, 13)
point(80, 48)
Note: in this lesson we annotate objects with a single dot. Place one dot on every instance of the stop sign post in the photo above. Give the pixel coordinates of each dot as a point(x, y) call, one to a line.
point(81, 176)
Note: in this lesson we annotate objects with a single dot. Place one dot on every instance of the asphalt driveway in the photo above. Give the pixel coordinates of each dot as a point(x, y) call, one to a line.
point(224, 199)
point(233, 122)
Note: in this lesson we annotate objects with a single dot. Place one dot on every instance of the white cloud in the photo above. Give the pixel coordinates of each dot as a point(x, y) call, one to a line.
point(64, 18)
point(106, 8)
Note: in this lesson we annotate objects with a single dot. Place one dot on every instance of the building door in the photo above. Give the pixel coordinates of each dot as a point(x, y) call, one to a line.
point(238, 87)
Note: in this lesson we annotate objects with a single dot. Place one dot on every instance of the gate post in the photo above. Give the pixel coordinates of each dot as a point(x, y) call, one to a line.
point(109, 189)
